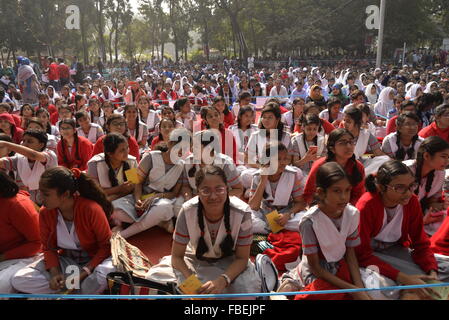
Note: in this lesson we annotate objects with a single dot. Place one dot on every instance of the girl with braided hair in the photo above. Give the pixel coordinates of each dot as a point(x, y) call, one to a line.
point(212, 239)
point(109, 168)
point(392, 233)
point(428, 168)
point(75, 237)
point(156, 199)
point(73, 151)
point(404, 143)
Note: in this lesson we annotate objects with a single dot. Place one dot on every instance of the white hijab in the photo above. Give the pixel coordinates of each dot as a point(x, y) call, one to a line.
point(411, 93)
point(372, 98)
point(428, 89)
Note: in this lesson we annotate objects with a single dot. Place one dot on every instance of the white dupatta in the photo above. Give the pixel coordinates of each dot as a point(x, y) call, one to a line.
point(362, 143)
point(332, 241)
point(283, 190)
point(159, 179)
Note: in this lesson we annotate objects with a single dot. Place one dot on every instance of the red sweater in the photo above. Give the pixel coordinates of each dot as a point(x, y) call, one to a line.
point(356, 192)
point(91, 226)
point(371, 220)
point(85, 148)
point(132, 143)
point(439, 243)
point(50, 108)
point(433, 130)
point(166, 96)
point(327, 126)
point(391, 125)
point(19, 225)
point(228, 120)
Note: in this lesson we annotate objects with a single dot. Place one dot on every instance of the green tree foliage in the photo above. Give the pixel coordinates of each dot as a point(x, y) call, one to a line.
point(233, 27)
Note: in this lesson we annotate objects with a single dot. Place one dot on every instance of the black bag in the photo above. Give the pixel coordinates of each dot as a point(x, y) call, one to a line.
point(121, 283)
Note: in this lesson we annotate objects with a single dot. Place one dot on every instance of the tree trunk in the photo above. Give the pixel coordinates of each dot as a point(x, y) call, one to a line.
point(206, 39)
point(83, 39)
point(100, 30)
point(238, 34)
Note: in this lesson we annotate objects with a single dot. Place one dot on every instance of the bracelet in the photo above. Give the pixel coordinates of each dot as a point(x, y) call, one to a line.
point(226, 277)
point(85, 268)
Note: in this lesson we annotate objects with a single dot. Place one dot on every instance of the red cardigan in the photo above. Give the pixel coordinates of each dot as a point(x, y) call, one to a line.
point(19, 225)
point(327, 126)
point(439, 243)
point(85, 148)
point(371, 220)
point(433, 130)
point(132, 143)
point(91, 226)
point(356, 192)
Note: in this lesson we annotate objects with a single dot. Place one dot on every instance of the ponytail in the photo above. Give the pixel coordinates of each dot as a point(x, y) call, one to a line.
point(63, 179)
point(431, 145)
point(370, 183)
point(8, 187)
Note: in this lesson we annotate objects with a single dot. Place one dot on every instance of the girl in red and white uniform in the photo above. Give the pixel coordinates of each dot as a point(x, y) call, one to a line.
point(390, 225)
point(428, 168)
point(20, 239)
point(330, 234)
point(75, 236)
point(73, 151)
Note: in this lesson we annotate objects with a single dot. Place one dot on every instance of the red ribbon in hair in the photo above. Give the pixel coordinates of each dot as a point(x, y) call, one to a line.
point(76, 172)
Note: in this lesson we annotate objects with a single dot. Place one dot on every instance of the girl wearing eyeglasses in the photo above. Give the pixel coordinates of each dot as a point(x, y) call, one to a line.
point(160, 182)
point(340, 149)
point(431, 161)
point(282, 190)
point(391, 223)
point(117, 123)
point(439, 127)
point(212, 239)
point(73, 151)
point(404, 143)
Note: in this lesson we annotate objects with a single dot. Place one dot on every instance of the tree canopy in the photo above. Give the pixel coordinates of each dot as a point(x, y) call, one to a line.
point(109, 29)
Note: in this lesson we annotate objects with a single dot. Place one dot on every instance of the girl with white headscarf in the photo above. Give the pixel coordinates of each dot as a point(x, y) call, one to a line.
point(414, 92)
point(429, 87)
point(385, 102)
point(372, 96)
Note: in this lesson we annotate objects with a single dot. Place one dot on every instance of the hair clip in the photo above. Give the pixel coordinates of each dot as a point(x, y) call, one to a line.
point(76, 173)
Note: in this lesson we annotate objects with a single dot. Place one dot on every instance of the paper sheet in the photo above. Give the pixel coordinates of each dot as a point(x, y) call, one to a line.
point(191, 285)
point(132, 176)
point(271, 218)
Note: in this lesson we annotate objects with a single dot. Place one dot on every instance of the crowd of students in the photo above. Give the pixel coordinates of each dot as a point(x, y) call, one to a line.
point(353, 163)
